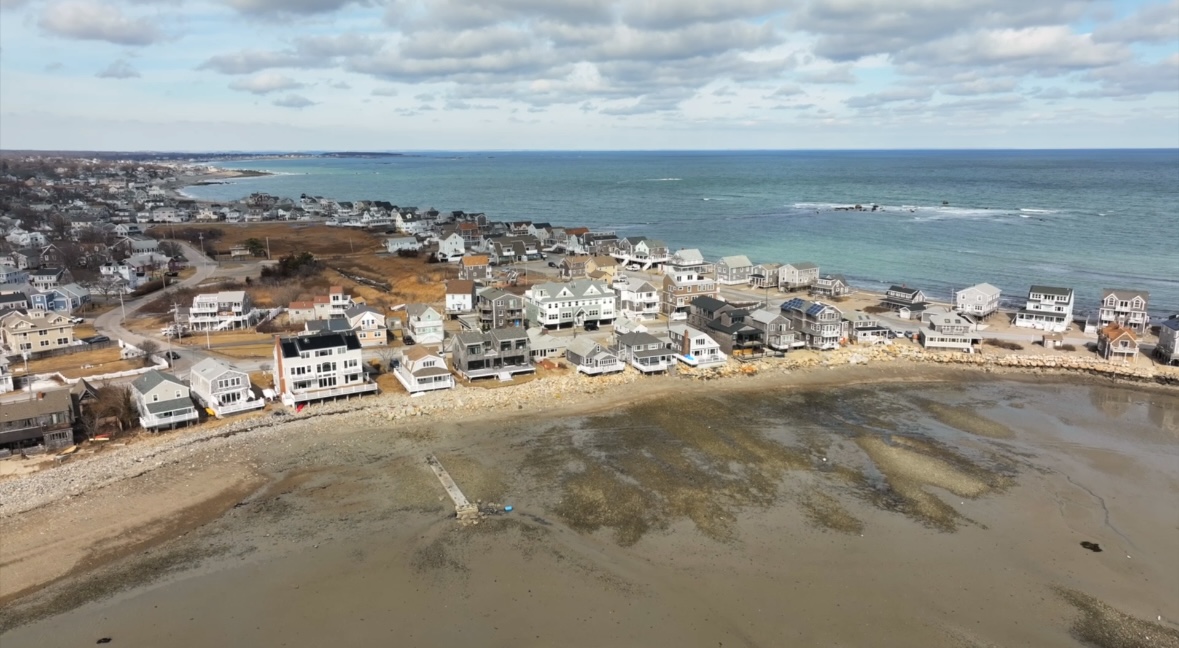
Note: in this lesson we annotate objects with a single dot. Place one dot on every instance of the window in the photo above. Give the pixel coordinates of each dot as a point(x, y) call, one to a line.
point(155, 398)
point(349, 364)
point(323, 352)
point(327, 381)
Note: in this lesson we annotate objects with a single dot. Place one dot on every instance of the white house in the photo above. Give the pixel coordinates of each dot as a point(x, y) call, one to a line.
point(314, 367)
point(451, 246)
point(395, 244)
point(1048, 309)
point(5, 375)
point(221, 388)
point(423, 324)
point(793, 276)
point(695, 348)
point(979, 301)
point(948, 332)
point(229, 309)
point(422, 370)
point(460, 297)
point(637, 299)
point(163, 400)
point(576, 303)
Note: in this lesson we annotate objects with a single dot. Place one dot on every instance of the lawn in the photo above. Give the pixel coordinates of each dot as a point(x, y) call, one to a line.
point(291, 237)
point(86, 363)
point(246, 351)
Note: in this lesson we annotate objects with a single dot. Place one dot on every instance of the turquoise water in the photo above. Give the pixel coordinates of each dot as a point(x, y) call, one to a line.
point(1082, 219)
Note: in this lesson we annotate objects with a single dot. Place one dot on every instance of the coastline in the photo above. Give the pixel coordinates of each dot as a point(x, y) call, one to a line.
point(198, 492)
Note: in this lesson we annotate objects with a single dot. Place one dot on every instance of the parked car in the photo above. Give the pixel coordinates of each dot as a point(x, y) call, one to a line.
point(591, 326)
point(76, 320)
point(552, 265)
point(172, 355)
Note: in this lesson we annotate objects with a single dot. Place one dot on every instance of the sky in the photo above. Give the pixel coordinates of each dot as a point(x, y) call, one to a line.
point(392, 75)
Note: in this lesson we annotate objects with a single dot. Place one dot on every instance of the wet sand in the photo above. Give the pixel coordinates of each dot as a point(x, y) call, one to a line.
point(943, 514)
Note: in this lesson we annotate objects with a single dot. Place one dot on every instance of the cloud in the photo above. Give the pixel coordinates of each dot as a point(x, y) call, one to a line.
point(978, 86)
point(265, 83)
point(1039, 50)
point(889, 96)
point(385, 92)
point(54, 66)
point(297, 7)
point(1133, 78)
point(118, 69)
point(1157, 23)
point(293, 101)
point(307, 53)
point(842, 73)
point(94, 20)
point(340, 85)
point(664, 14)
point(788, 90)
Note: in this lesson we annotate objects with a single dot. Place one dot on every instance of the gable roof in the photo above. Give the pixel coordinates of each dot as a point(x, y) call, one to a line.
point(474, 260)
point(736, 261)
point(583, 345)
point(292, 346)
point(460, 287)
point(153, 379)
point(211, 368)
point(984, 288)
point(1051, 290)
point(417, 310)
point(710, 304)
point(1125, 294)
point(803, 265)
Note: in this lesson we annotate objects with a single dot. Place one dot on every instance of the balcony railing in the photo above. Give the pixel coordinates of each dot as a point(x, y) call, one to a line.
point(155, 420)
point(303, 395)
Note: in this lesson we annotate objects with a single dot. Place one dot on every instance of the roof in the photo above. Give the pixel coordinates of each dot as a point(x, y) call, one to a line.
point(335, 325)
point(579, 288)
point(418, 352)
point(1171, 323)
point(985, 288)
point(764, 316)
point(1115, 331)
point(904, 290)
point(474, 260)
point(211, 368)
point(583, 345)
point(1123, 293)
point(53, 401)
point(169, 405)
point(293, 346)
point(1051, 290)
point(736, 261)
point(710, 304)
point(689, 256)
point(417, 310)
point(637, 338)
point(460, 287)
point(153, 379)
point(356, 310)
point(803, 265)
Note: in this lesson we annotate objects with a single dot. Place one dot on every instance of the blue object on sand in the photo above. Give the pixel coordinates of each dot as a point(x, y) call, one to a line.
point(508, 508)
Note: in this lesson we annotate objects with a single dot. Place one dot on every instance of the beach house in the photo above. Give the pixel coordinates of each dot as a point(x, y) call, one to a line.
point(864, 328)
point(1127, 308)
point(542, 344)
point(764, 275)
point(694, 347)
point(680, 287)
point(796, 276)
point(460, 297)
point(733, 270)
point(1048, 308)
point(6, 384)
point(637, 299)
point(421, 369)
point(369, 325)
point(46, 420)
point(581, 302)
point(1167, 350)
point(314, 367)
point(686, 260)
point(1117, 342)
point(501, 352)
point(591, 357)
point(222, 311)
point(35, 331)
point(831, 285)
point(644, 352)
point(476, 267)
point(776, 329)
point(221, 389)
point(423, 324)
point(949, 331)
point(821, 326)
point(163, 400)
point(395, 244)
point(980, 300)
point(734, 331)
point(905, 301)
point(573, 266)
point(498, 308)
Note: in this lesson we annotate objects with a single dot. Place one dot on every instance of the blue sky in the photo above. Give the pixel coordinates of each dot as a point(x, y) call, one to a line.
point(587, 74)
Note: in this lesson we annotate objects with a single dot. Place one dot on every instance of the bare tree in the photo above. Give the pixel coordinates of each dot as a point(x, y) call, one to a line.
point(149, 348)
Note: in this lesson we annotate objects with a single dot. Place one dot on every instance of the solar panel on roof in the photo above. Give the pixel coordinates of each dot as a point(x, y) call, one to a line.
point(793, 304)
point(815, 309)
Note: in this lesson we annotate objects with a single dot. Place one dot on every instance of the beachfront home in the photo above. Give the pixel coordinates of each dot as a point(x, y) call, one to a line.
point(734, 331)
point(423, 324)
point(776, 329)
point(499, 352)
point(1115, 341)
point(680, 287)
point(686, 260)
point(644, 352)
point(821, 326)
point(948, 332)
point(905, 301)
point(1127, 308)
point(47, 420)
point(35, 331)
point(733, 270)
point(602, 268)
point(460, 297)
point(796, 276)
point(498, 308)
point(314, 367)
point(368, 324)
point(222, 389)
point(981, 300)
point(695, 347)
point(451, 247)
point(573, 266)
point(864, 328)
point(705, 309)
point(422, 370)
point(637, 299)
point(396, 244)
point(6, 384)
point(1048, 309)
point(832, 285)
point(590, 357)
point(764, 275)
point(542, 344)
point(581, 302)
point(640, 251)
point(476, 267)
point(163, 400)
point(1167, 350)
point(222, 311)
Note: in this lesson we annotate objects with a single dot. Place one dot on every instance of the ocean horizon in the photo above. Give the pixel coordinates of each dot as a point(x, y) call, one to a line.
point(1087, 219)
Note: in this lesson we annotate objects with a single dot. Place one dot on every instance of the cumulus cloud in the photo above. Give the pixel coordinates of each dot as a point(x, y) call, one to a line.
point(118, 69)
point(662, 14)
point(94, 20)
point(892, 95)
point(306, 53)
point(1043, 50)
point(1157, 23)
point(1134, 78)
point(298, 7)
point(265, 83)
point(293, 101)
point(385, 92)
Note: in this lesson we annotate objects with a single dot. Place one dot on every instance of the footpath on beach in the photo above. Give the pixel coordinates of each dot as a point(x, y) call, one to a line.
point(78, 476)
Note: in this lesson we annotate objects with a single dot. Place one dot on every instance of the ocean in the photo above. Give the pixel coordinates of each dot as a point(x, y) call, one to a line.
point(1086, 220)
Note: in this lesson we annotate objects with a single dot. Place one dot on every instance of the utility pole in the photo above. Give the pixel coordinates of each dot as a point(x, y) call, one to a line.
point(201, 236)
point(121, 305)
point(268, 248)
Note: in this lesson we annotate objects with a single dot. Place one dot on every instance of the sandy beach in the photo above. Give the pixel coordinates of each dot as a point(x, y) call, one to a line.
point(861, 505)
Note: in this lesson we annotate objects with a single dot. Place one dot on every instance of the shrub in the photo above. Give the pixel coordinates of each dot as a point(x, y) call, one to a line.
point(876, 309)
point(1003, 344)
point(1068, 347)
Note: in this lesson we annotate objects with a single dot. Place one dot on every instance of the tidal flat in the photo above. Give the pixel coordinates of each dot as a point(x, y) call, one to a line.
point(894, 514)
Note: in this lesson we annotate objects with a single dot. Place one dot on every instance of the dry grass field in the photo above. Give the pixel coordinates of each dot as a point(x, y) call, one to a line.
point(86, 363)
point(286, 238)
